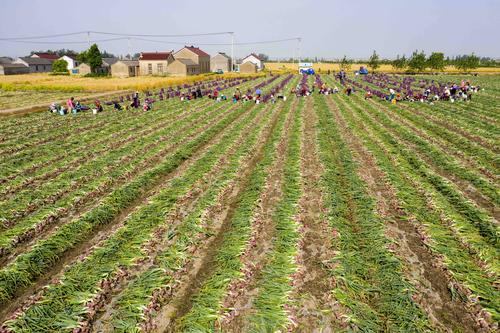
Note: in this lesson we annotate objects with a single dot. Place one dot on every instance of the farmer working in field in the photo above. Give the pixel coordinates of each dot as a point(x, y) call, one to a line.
point(70, 104)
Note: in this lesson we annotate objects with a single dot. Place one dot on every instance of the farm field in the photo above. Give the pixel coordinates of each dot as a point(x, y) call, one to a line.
point(25, 90)
point(327, 66)
point(324, 213)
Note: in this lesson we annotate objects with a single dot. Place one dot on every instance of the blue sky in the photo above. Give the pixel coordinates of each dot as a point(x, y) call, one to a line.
point(329, 29)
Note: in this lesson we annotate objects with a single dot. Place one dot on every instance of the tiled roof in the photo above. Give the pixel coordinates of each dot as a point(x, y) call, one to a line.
point(36, 61)
point(154, 55)
point(130, 62)
point(197, 51)
point(47, 56)
point(222, 54)
point(253, 54)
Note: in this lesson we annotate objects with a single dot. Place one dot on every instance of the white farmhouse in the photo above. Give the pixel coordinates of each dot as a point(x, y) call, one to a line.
point(254, 59)
point(71, 60)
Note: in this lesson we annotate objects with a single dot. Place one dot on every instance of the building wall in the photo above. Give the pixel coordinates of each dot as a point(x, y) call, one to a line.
point(34, 68)
point(177, 68)
point(153, 67)
point(120, 69)
point(40, 68)
point(220, 62)
point(13, 70)
point(204, 62)
point(71, 63)
point(254, 60)
point(84, 69)
point(248, 67)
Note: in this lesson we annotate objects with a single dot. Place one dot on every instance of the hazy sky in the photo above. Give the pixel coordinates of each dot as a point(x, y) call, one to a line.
point(329, 28)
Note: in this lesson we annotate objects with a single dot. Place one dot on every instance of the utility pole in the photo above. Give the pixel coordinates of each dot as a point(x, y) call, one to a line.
point(88, 38)
point(129, 48)
point(299, 40)
point(232, 51)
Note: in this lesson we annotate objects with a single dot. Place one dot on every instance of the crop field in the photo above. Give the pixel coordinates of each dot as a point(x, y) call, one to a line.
point(18, 91)
point(323, 213)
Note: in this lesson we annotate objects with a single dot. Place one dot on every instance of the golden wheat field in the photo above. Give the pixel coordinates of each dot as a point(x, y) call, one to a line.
point(47, 82)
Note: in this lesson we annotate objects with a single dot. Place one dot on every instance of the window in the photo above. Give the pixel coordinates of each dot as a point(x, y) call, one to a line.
point(159, 67)
point(150, 68)
point(36, 66)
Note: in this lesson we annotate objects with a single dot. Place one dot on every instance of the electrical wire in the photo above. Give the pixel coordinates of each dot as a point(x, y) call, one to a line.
point(66, 42)
point(44, 36)
point(150, 35)
point(219, 44)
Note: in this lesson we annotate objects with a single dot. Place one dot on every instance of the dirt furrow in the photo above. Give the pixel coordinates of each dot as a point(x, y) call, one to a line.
point(454, 129)
point(84, 204)
point(312, 305)
point(242, 291)
point(221, 214)
point(468, 189)
point(102, 232)
point(446, 312)
point(159, 240)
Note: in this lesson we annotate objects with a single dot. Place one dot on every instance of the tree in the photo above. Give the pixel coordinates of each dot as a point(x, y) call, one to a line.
point(263, 57)
point(60, 66)
point(436, 61)
point(417, 62)
point(345, 64)
point(467, 62)
point(59, 53)
point(399, 63)
point(374, 61)
point(92, 57)
point(106, 54)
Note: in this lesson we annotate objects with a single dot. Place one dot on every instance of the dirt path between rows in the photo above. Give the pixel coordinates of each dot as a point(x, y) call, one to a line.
point(102, 232)
point(432, 283)
point(241, 293)
point(312, 304)
point(202, 266)
point(468, 189)
point(183, 207)
point(86, 203)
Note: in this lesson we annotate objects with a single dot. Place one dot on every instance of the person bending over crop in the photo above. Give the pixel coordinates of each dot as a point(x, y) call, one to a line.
point(70, 103)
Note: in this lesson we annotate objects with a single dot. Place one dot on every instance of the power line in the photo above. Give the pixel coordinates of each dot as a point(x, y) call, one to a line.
point(220, 44)
point(151, 35)
point(44, 36)
point(65, 42)
point(150, 40)
point(113, 34)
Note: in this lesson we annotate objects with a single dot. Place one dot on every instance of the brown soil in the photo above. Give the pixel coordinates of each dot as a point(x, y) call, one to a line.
point(454, 129)
point(103, 231)
point(202, 266)
point(446, 313)
point(465, 187)
point(158, 242)
point(242, 292)
point(92, 199)
point(135, 132)
point(312, 305)
point(466, 161)
point(79, 151)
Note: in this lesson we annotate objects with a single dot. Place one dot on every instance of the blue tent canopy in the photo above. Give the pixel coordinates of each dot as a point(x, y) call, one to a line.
point(308, 71)
point(363, 70)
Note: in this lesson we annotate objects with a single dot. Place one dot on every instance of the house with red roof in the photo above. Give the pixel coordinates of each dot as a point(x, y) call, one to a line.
point(155, 63)
point(48, 56)
point(254, 59)
point(195, 55)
